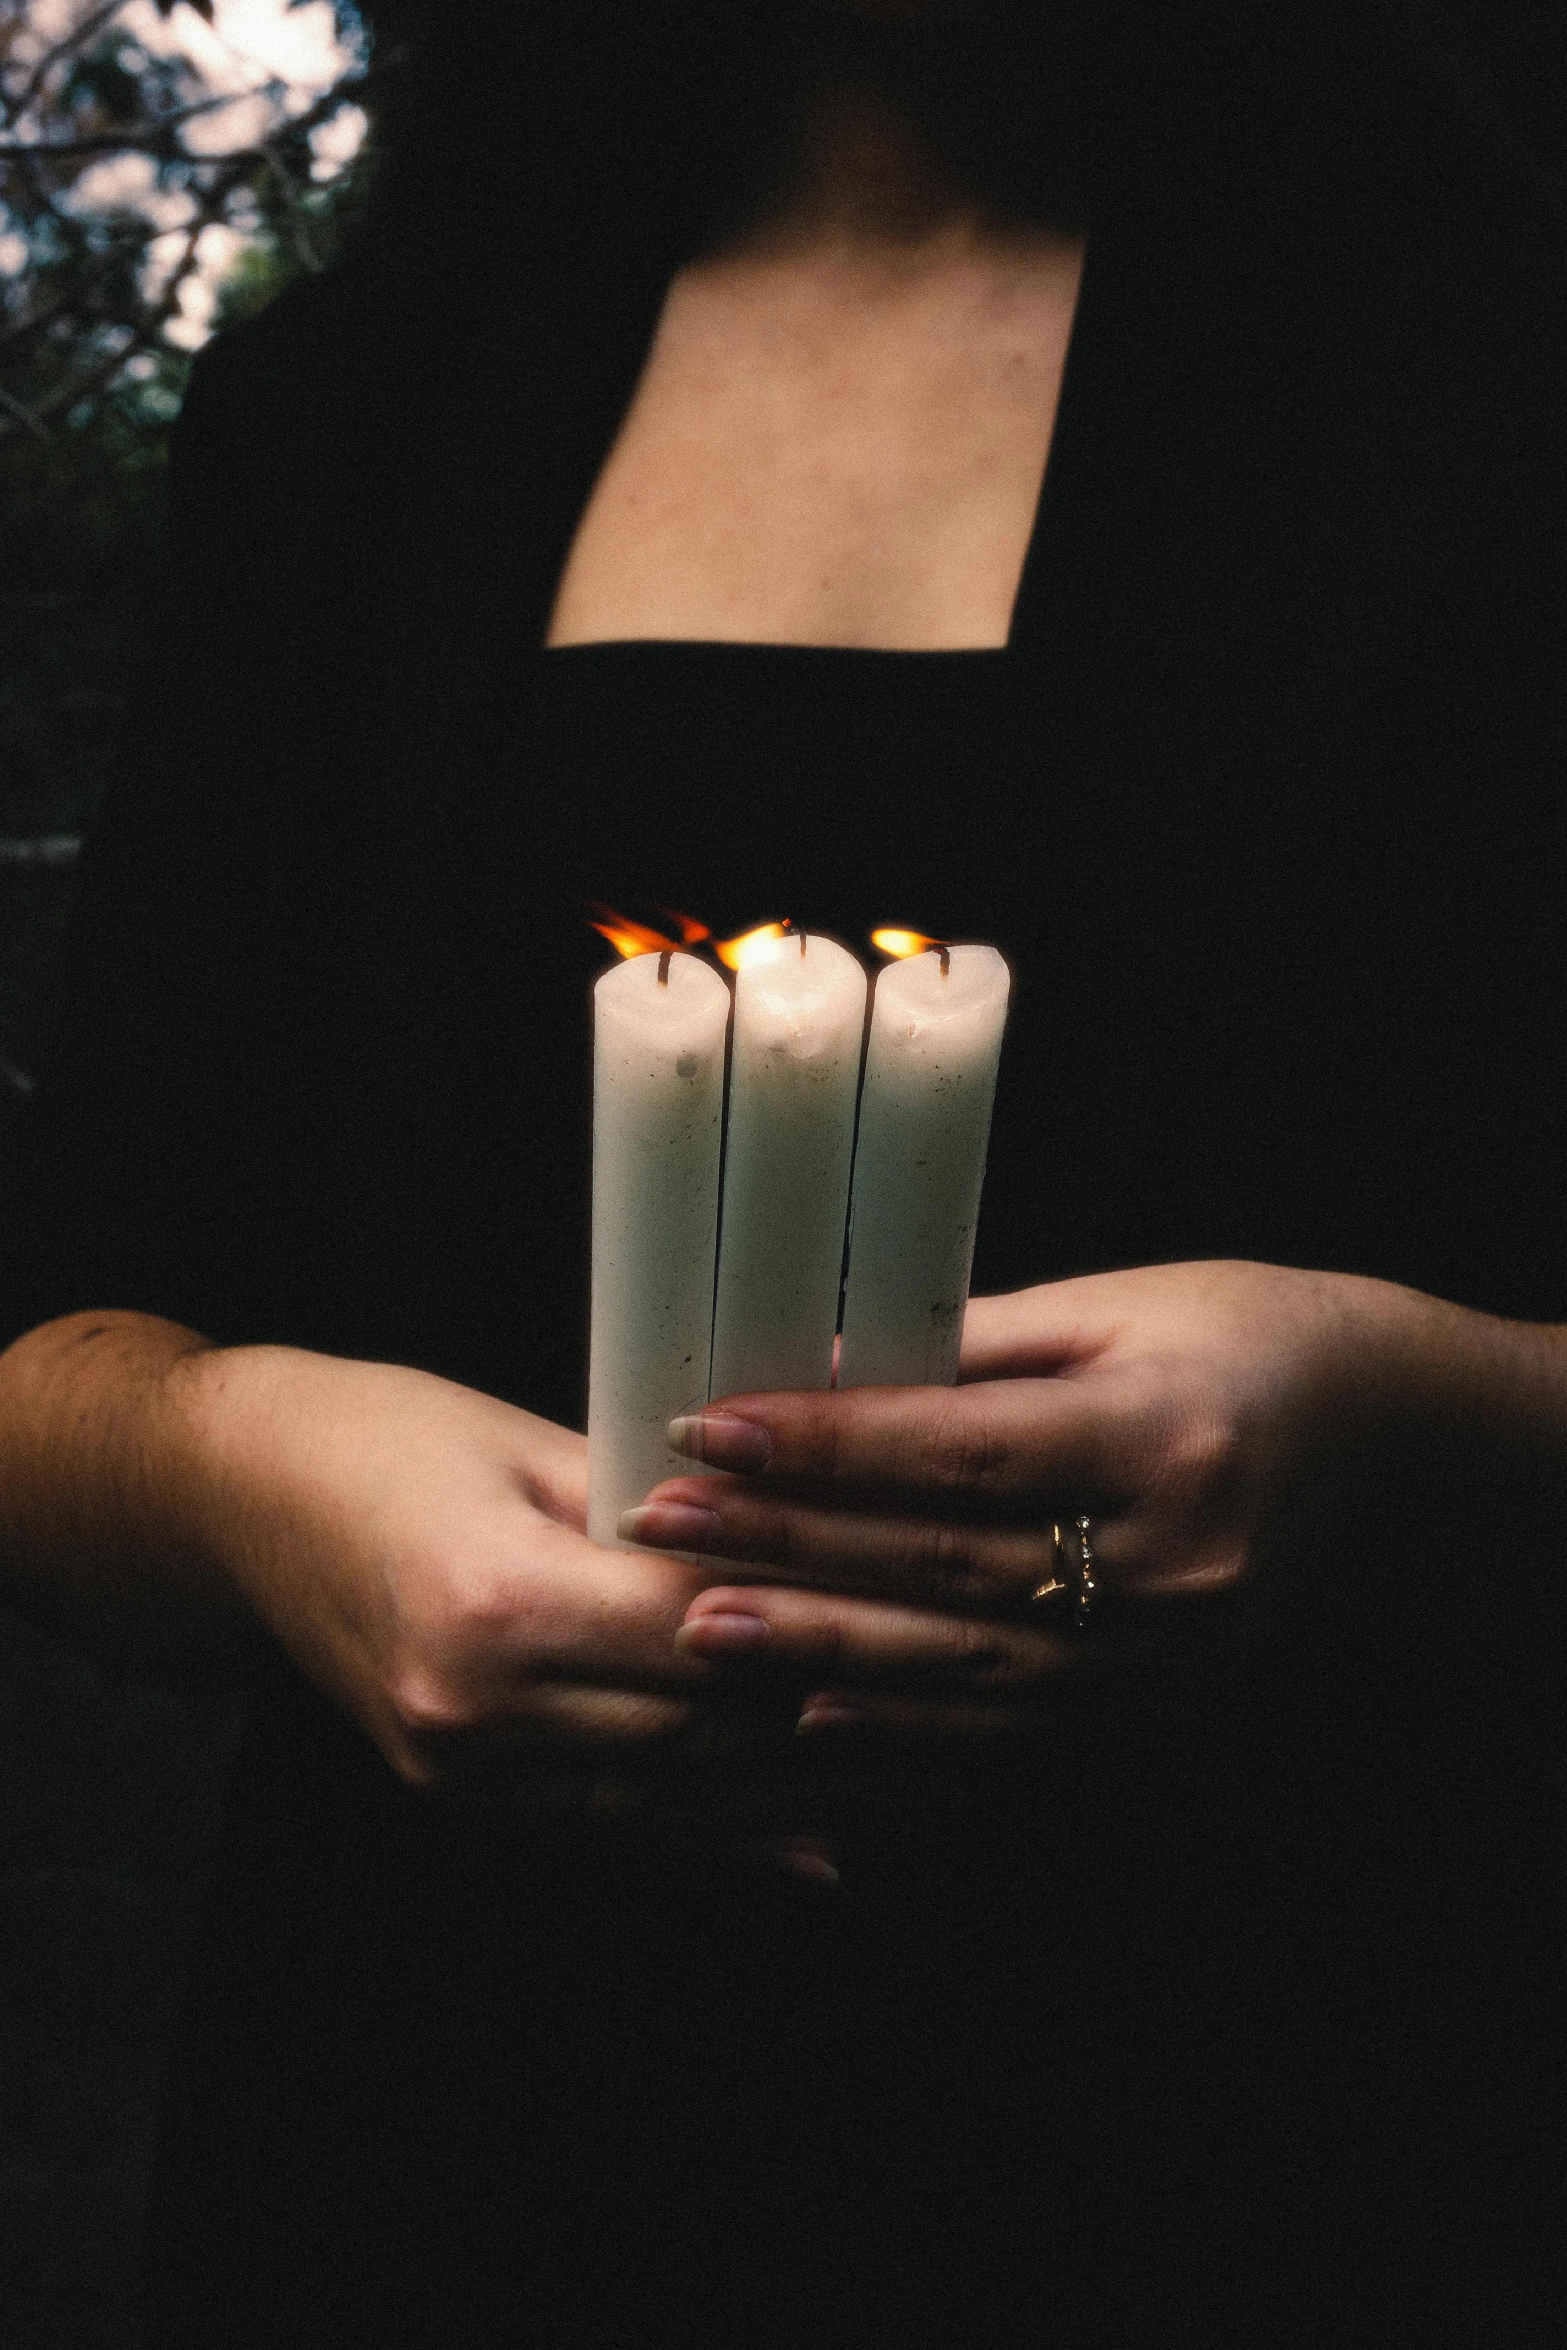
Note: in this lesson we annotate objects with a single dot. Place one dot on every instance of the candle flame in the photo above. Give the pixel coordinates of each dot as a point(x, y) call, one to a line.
point(692, 932)
point(752, 946)
point(626, 936)
point(902, 942)
point(629, 937)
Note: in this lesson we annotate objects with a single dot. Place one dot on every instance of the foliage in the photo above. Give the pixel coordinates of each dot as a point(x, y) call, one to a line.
point(156, 178)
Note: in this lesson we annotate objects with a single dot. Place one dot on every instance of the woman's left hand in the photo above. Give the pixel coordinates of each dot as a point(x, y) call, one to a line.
point(1228, 1429)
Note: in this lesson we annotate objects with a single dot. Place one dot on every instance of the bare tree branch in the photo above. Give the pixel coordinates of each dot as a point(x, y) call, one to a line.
point(156, 137)
point(148, 137)
point(143, 333)
point(349, 91)
point(79, 296)
point(298, 221)
point(88, 271)
point(62, 49)
point(81, 386)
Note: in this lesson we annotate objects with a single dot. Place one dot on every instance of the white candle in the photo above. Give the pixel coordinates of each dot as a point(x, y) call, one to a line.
point(930, 1081)
point(658, 1089)
point(794, 1072)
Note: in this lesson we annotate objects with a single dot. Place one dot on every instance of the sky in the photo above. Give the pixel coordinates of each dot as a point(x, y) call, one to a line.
point(276, 61)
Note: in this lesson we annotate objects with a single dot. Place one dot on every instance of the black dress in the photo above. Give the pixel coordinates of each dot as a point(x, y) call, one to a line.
point(1244, 2033)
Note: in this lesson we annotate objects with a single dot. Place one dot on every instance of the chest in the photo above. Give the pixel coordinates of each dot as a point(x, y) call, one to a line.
point(1267, 841)
point(823, 451)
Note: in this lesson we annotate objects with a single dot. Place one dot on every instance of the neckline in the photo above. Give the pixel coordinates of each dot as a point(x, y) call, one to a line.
point(1032, 569)
point(738, 649)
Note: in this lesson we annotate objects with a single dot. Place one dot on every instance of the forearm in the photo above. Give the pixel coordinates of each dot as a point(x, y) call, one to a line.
point(1446, 1462)
point(104, 1514)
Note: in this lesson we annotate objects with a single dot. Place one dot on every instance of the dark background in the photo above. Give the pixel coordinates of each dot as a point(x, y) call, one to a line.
point(109, 1790)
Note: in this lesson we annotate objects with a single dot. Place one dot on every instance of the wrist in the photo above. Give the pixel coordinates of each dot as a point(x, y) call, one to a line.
point(1448, 1431)
point(228, 1411)
point(99, 1475)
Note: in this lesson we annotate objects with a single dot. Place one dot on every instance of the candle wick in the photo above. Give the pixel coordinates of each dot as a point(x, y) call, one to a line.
point(946, 960)
point(802, 946)
point(663, 966)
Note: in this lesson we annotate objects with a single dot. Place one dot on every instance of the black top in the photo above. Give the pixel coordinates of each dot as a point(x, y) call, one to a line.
point(1245, 2030)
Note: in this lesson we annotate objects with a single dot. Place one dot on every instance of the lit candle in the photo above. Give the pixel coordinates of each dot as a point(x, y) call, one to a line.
point(794, 1072)
point(930, 1081)
point(659, 1024)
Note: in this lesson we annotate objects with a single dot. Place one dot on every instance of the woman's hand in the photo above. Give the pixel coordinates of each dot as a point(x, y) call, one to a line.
point(1238, 1435)
point(418, 1549)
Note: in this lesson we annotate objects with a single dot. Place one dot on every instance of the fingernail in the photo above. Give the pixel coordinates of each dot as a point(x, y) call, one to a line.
point(670, 1525)
point(724, 1635)
point(722, 1442)
point(811, 1857)
point(812, 1866)
point(826, 1713)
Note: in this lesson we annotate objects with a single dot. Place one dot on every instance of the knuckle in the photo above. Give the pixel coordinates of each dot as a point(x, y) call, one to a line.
point(413, 1766)
point(818, 1634)
point(825, 1637)
point(427, 1707)
point(484, 1614)
point(944, 1553)
point(1206, 1570)
point(982, 1654)
point(1195, 1452)
point(456, 1608)
point(775, 1539)
point(1223, 1568)
point(763, 1533)
point(959, 1455)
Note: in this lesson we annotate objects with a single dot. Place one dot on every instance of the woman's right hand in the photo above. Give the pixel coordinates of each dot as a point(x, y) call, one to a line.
point(417, 1548)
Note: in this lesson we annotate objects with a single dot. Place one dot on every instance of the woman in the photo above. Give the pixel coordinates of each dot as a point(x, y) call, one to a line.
point(1030, 477)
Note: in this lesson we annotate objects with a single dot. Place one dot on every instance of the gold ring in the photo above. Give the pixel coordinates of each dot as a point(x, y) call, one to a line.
point(1059, 1585)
